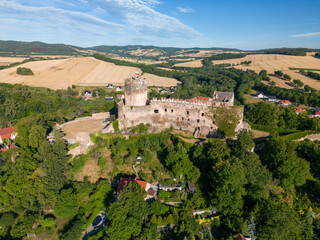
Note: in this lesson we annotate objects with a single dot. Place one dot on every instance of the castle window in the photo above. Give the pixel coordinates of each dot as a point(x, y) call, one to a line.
point(198, 120)
point(188, 119)
point(213, 122)
point(187, 112)
point(165, 110)
point(156, 111)
point(171, 110)
point(202, 114)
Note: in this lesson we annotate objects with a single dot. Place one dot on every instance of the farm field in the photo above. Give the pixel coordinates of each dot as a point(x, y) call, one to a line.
point(271, 63)
point(196, 63)
point(8, 60)
point(63, 73)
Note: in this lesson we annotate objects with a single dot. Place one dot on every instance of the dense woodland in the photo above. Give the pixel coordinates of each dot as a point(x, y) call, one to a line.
point(271, 193)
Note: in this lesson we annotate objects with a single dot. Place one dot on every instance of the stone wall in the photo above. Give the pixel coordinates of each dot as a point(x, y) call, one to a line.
point(135, 91)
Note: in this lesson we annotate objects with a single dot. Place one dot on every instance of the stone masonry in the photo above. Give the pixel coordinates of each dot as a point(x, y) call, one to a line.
point(191, 114)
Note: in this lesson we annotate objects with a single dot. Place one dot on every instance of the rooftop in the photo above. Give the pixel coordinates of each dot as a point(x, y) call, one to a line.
point(5, 133)
point(125, 181)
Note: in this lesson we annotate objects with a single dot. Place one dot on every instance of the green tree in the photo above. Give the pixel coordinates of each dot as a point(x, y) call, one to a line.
point(66, 205)
point(37, 136)
point(227, 179)
point(280, 157)
point(276, 220)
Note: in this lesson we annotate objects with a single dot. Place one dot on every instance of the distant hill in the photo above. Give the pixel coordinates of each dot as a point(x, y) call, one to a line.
point(12, 48)
point(158, 53)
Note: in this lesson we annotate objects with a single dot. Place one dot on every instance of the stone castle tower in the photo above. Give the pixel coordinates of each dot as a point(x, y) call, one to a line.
point(135, 91)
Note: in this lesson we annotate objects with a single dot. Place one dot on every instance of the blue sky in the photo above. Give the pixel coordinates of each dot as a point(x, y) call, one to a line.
point(243, 24)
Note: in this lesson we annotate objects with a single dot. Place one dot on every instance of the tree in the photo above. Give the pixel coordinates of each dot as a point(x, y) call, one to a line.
point(278, 73)
point(127, 215)
point(286, 76)
point(37, 136)
point(251, 228)
point(277, 220)
point(280, 157)
point(227, 179)
point(66, 205)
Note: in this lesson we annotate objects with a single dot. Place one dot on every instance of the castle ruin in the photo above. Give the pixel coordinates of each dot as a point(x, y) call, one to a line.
point(200, 115)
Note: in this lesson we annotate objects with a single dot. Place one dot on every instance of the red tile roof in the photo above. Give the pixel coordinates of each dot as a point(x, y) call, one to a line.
point(285, 102)
point(317, 113)
point(125, 181)
point(298, 110)
point(201, 98)
point(240, 237)
point(5, 133)
point(10, 147)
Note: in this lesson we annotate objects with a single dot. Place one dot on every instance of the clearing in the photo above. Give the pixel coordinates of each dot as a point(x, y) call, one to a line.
point(84, 71)
point(88, 126)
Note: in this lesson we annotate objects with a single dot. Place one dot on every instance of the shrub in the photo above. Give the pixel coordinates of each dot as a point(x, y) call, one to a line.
point(24, 71)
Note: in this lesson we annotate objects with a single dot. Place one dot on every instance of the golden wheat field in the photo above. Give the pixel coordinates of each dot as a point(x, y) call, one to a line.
point(271, 63)
point(88, 71)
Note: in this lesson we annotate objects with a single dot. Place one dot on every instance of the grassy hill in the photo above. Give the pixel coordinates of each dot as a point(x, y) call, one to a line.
point(12, 48)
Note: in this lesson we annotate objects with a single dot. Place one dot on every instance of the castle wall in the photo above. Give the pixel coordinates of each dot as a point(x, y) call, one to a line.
point(162, 115)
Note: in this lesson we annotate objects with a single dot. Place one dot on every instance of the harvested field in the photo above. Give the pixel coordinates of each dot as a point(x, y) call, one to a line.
point(8, 60)
point(154, 80)
point(61, 74)
point(273, 62)
point(196, 63)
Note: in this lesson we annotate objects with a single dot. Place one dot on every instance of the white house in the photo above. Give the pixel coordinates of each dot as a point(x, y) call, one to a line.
point(7, 133)
point(118, 89)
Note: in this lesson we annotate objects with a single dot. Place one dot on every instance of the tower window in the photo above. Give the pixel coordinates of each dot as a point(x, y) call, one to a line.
point(202, 114)
point(187, 112)
point(171, 110)
point(198, 120)
point(165, 110)
point(156, 111)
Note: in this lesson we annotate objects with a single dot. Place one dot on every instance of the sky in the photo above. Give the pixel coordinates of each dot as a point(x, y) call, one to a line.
point(242, 24)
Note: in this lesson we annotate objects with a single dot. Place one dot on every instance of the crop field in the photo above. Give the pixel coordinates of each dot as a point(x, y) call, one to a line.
point(63, 73)
point(273, 62)
point(8, 60)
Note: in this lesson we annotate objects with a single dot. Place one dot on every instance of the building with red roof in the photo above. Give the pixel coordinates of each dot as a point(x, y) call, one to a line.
point(285, 103)
point(298, 110)
point(125, 181)
point(7, 133)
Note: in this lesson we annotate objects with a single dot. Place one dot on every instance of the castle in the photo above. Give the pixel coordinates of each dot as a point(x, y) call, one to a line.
point(200, 115)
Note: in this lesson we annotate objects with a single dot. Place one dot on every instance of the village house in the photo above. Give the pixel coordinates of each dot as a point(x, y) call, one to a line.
point(298, 110)
point(110, 86)
point(272, 99)
point(120, 96)
point(151, 190)
point(285, 103)
point(118, 89)
point(87, 93)
point(241, 237)
point(260, 95)
point(170, 188)
point(7, 133)
point(109, 99)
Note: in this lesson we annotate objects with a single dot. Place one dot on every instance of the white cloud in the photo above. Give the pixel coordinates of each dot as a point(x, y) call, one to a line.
point(106, 22)
point(312, 34)
point(185, 9)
